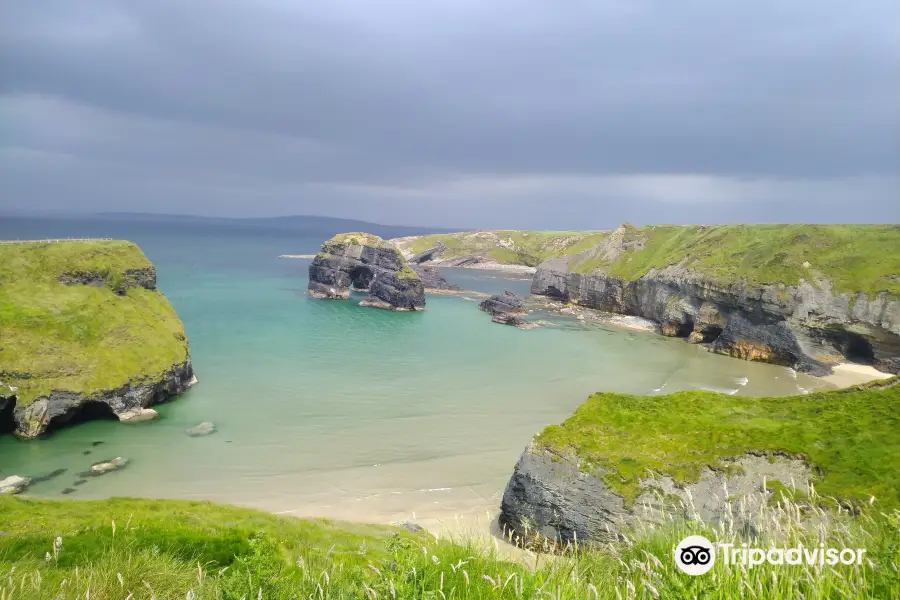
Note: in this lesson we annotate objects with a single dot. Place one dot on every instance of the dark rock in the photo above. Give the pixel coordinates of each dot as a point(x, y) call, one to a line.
point(87, 452)
point(144, 278)
point(98, 443)
point(365, 262)
point(79, 482)
point(47, 413)
point(506, 303)
point(433, 280)
point(68, 491)
point(411, 527)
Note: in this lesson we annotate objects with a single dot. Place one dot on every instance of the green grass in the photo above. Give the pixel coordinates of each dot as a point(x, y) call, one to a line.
point(81, 338)
point(357, 237)
point(164, 549)
point(850, 436)
point(523, 247)
point(855, 258)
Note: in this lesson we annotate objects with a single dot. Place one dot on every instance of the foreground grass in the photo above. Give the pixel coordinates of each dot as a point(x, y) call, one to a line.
point(130, 548)
point(77, 337)
point(850, 436)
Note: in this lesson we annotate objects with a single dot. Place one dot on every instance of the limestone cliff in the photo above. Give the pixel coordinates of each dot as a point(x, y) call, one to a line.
point(365, 262)
point(623, 459)
point(802, 296)
point(85, 334)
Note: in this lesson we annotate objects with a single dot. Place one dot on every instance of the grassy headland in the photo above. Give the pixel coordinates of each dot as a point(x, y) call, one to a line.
point(82, 337)
point(855, 258)
point(849, 436)
point(508, 247)
point(164, 549)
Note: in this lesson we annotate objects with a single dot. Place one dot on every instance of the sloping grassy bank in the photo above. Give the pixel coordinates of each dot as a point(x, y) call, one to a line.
point(507, 247)
point(849, 436)
point(137, 549)
point(82, 316)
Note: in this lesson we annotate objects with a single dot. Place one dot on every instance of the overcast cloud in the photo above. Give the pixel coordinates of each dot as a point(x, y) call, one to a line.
point(480, 113)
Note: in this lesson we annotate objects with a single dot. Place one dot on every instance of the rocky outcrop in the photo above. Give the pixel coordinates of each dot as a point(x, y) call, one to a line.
point(365, 262)
point(805, 326)
point(507, 309)
point(143, 278)
point(14, 484)
point(559, 499)
point(61, 407)
point(433, 280)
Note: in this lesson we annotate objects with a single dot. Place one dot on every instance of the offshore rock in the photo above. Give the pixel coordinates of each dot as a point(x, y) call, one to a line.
point(108, 466)
point(365, 262)
point(803, 326)
point(203, 429)
point(506, 309)
point(433, 280)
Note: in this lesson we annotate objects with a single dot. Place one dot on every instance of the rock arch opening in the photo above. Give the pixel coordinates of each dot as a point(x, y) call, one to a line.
point(7, 423)
point(857, 348)
point(361, 277)
point(88, 411)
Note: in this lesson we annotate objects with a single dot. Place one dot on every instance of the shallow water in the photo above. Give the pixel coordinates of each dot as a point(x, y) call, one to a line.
point(326, 408)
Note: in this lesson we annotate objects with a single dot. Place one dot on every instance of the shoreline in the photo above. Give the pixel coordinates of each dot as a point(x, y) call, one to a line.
point(847, 374)
point(300, 256)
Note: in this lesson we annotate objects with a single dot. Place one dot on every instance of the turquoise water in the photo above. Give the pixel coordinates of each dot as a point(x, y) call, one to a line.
point(326, 408)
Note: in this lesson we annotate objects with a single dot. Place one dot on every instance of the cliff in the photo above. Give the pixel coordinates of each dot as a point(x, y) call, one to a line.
point(487, 249)
point(620, 459)
point(806, 296)
point(84, 333)
point(365, 262)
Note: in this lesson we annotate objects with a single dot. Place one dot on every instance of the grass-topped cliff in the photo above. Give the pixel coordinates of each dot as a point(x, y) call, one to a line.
point(855, 258)
point(83, 317)
point(849, 437)
point(506, 247)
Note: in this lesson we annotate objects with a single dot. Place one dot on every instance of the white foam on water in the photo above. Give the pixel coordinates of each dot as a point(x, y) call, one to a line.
point(742, 381)
point(792, 372)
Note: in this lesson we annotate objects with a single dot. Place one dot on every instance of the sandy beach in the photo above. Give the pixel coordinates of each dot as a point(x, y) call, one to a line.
point(847, 374)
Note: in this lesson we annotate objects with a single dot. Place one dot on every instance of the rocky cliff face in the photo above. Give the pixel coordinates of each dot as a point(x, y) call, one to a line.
point(130, 351)
point(808, 327)
point(554, 496)
point(365, 262)
point(62, 407)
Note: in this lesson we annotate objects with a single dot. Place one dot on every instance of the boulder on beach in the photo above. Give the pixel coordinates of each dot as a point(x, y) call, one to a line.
point(14, 484)
point(138, 415)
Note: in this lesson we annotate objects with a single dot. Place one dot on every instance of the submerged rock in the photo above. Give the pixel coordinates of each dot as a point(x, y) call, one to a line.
point(108, 466)
point(205, 428)
point(363, 261)
point(14, 484)
point(433, 280)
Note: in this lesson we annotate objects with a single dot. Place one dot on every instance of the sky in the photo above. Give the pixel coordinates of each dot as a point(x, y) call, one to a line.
point(485, 113)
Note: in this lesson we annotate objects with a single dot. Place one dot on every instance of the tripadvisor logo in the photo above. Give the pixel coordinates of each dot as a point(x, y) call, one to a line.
point(696, 555)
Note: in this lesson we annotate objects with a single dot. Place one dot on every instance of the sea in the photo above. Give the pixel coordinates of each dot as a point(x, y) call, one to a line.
point(327, 409)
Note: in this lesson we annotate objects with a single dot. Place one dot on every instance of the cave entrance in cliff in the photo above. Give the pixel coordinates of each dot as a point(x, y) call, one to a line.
point(89, 411)
point(361, 277)
point(7, 423)
point(857, 348)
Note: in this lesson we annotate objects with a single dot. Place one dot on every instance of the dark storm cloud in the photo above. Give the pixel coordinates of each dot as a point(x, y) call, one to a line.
point(488, 113)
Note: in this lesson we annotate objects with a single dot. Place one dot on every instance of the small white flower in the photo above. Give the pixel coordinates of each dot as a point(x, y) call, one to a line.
point(47, 557)
point(434, 559)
